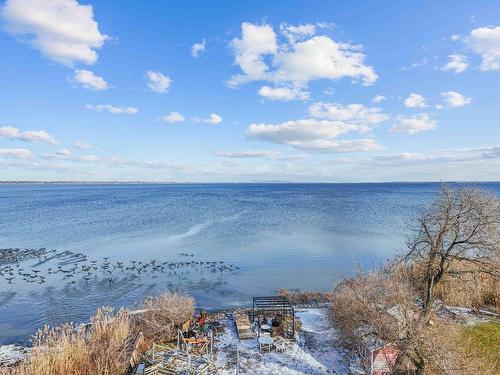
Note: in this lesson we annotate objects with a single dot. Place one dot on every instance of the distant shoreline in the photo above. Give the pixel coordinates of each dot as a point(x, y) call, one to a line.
point(235, 183)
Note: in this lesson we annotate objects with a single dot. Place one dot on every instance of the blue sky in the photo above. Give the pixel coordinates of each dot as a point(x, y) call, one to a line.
point(249, 91)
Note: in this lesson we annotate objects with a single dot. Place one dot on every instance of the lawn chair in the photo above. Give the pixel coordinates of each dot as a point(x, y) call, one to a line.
point(265, 343)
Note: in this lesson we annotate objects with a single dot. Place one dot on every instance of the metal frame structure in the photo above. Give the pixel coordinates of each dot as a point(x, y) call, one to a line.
point(272, 305)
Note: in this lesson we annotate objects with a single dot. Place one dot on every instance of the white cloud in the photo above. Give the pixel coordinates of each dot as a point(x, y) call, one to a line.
point(415, 101)
point(322, 58)
point(313, 135)
point(63, 152)
point(198, 48)
point(90, 81)
point(443, 156)
point(213, 119)
point(300, 130)
point(325, 145)
point(356, 113)
point(63, 30)
point(457, 63)
point(298, 62)
point(249, 50)
point(378, 99)
point(91, 158)
point(18, 153)
point(260, 154)
point(112, 109)
point(158, 82)
point(414, 124)
point(283, 93)
point(173, 117)
point(82, 145)
point(41, 136)
point(455, 99)
point(296, 33)
point(485, 41)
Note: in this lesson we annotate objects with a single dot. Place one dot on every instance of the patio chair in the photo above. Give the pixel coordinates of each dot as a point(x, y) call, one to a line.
point(265, 343)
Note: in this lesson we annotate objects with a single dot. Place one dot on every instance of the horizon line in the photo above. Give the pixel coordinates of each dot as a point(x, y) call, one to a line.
point(128, 182)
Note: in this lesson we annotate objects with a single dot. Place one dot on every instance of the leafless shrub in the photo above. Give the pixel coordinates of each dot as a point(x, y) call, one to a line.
point(462, 285)
point(458, 234)
point(305, 297)
point(108, 344)
point(453, 256)
point(72, 350)
point(161, 316)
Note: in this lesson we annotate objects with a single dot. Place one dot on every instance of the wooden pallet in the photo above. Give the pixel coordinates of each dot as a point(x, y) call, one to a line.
point(243, 326)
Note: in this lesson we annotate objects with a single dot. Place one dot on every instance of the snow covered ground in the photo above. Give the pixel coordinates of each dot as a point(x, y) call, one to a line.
point(313, 354)
point(11, 354)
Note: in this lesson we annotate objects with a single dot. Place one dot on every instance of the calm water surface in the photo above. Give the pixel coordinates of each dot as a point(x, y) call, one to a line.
point(305, 236)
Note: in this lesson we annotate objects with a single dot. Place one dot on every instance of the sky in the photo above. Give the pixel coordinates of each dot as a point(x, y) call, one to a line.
point(257, 91)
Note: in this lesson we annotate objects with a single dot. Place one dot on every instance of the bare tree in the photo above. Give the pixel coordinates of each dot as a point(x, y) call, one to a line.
point(458, 233)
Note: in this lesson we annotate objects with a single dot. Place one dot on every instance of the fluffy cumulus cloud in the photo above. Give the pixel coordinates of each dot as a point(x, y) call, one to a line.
point(213, 119)
point(312, 135)
point(485, 41)
point(457, 63)
point(378, 99)
point(283, 93)
point(158, 82)
point(112, 109)
point(256, 41)
point(173, 117)
point(415, 101)
point(322, 58)
point(198, 48)
point(300, 58)
point(296, 33)
point(17, 153)
point(455, 99)
point(414, 124)
point(90, 81)
point(320, 132)
point(356, 113)
point(40, 136)
point(63, 30)
point(82, 145)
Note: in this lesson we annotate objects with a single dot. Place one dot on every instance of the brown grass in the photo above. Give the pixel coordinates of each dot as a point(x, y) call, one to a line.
point(107, 345)
point(463, 286)
point(162, 315)
point(305, 297)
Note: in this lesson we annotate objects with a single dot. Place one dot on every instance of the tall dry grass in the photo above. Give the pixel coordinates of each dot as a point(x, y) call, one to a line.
point(305, 297)
point(461, 286)
point(161, 315)
point(106, 346)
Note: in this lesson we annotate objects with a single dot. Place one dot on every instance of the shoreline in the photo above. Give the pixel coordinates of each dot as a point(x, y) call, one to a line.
point(13, 353)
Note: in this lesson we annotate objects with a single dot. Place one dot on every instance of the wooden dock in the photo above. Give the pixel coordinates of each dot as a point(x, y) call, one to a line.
point(243, 325)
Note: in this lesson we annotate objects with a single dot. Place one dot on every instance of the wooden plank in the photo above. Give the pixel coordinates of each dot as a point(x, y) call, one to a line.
point(243, 326)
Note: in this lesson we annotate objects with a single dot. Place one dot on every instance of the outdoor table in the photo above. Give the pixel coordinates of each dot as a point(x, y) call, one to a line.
point(265, 342)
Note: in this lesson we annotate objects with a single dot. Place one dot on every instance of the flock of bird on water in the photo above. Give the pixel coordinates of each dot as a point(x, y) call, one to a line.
point(72, 265)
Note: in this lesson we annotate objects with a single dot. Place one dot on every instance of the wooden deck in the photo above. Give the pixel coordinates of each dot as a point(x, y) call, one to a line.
point(243, 326)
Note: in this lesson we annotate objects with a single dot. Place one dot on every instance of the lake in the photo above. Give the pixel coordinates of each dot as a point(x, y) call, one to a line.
point(222, 243)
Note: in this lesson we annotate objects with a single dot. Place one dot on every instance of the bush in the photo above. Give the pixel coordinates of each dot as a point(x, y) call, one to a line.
point(106, 346)
point(160, 316)
point(73, 350)
point(462, 286)
point(305, 297)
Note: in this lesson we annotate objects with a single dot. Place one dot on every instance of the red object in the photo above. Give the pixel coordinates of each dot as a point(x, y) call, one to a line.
point(383, 359)
point(201, 321)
